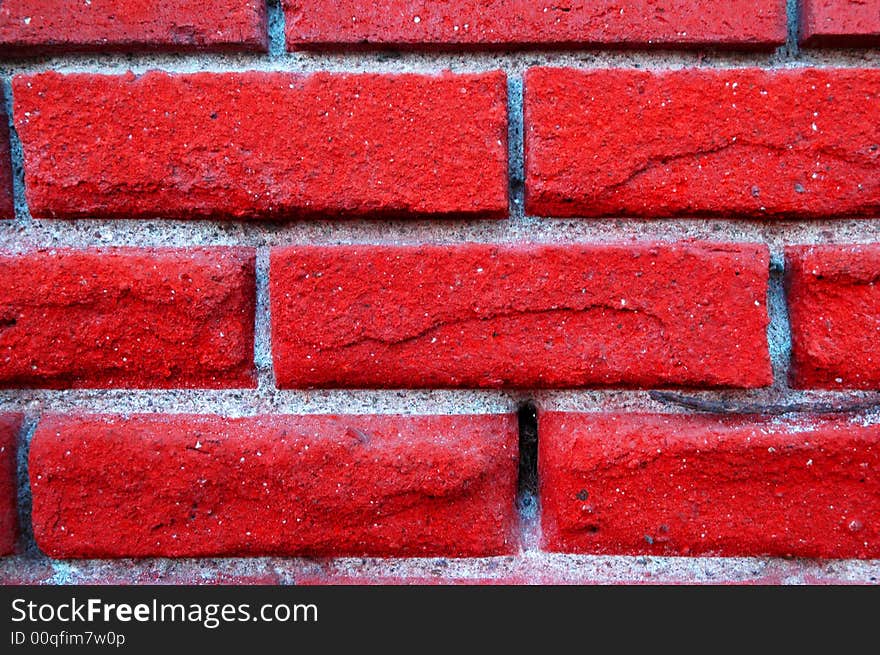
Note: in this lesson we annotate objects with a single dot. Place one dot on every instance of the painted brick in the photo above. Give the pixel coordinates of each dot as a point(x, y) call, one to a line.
point(404, 23)
point(39, 27)
point(702, 142)
point(854, 23)
point(7, 202)
point(702, 485)
point(478, 315)
point(175, 485)
point(127, 318)
point(10, 424)
point(834, 311)
point(239, 145)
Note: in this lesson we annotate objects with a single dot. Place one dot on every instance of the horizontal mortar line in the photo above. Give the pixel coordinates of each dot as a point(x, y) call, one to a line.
point(249, 402)
point(252, 402)
point(391, 61)
point(551, 566)
point(22, 235)
point(735, 401)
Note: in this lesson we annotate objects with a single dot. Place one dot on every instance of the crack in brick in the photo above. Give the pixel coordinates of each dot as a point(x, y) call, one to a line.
point(494, 316)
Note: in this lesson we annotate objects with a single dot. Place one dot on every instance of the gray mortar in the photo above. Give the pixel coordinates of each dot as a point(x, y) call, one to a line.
point(779, 329)
point(277, 40)
point(792, 47)
point(23, 233)
point(532, 566)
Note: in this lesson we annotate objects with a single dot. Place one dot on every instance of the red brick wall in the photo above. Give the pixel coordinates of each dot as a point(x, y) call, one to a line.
point(439, 291)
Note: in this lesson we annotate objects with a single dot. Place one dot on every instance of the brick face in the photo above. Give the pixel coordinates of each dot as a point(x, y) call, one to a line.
point(298, 280)
point(702, 142)
point(127, 318)
point(9, 428)
point(41, 26)
point(506, 23)
point(849, 23)
point(520, 316)
point(834, 310)
point(244, 145)
point(640, 484)
point(109, 486)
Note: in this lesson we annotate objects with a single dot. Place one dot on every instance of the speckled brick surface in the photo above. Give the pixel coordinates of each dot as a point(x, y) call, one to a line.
point(121, 153)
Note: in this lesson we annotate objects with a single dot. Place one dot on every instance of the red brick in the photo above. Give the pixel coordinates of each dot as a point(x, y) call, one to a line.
point(7, 203)
point(840, 23)
point(10, 424)
point(477, 315)
point(238, 145)
point(834, 310)
point(703, 142)
point(641, 484)
point(153, 485)
point(41, 26)
point(403, 23)
point(127, 318)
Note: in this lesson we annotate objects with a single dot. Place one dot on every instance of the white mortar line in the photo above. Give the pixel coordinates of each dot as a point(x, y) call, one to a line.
point(262, 328)
point(531, 565)
point(25, 234)
point(390, 61)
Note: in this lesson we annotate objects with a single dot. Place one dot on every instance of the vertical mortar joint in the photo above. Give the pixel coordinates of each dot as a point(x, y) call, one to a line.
point(276, 25)
point(793, 13)
point(262, 323)
point(515, 147)
point(22, 212)
point(26, 541)
point(527, 486)
point(779, 327)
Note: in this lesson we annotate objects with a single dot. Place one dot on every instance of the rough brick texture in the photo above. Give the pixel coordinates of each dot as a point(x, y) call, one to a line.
point(702, 142)
point(851, 23)
point(41, 26)
point(7, 203)
point(237, 145)
point(834, 311)
point(484, 23)
point(696, 485)
point(9, 427)
point(127, 318)
point(283, 304)
point(106, 486)
point(520, 316)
